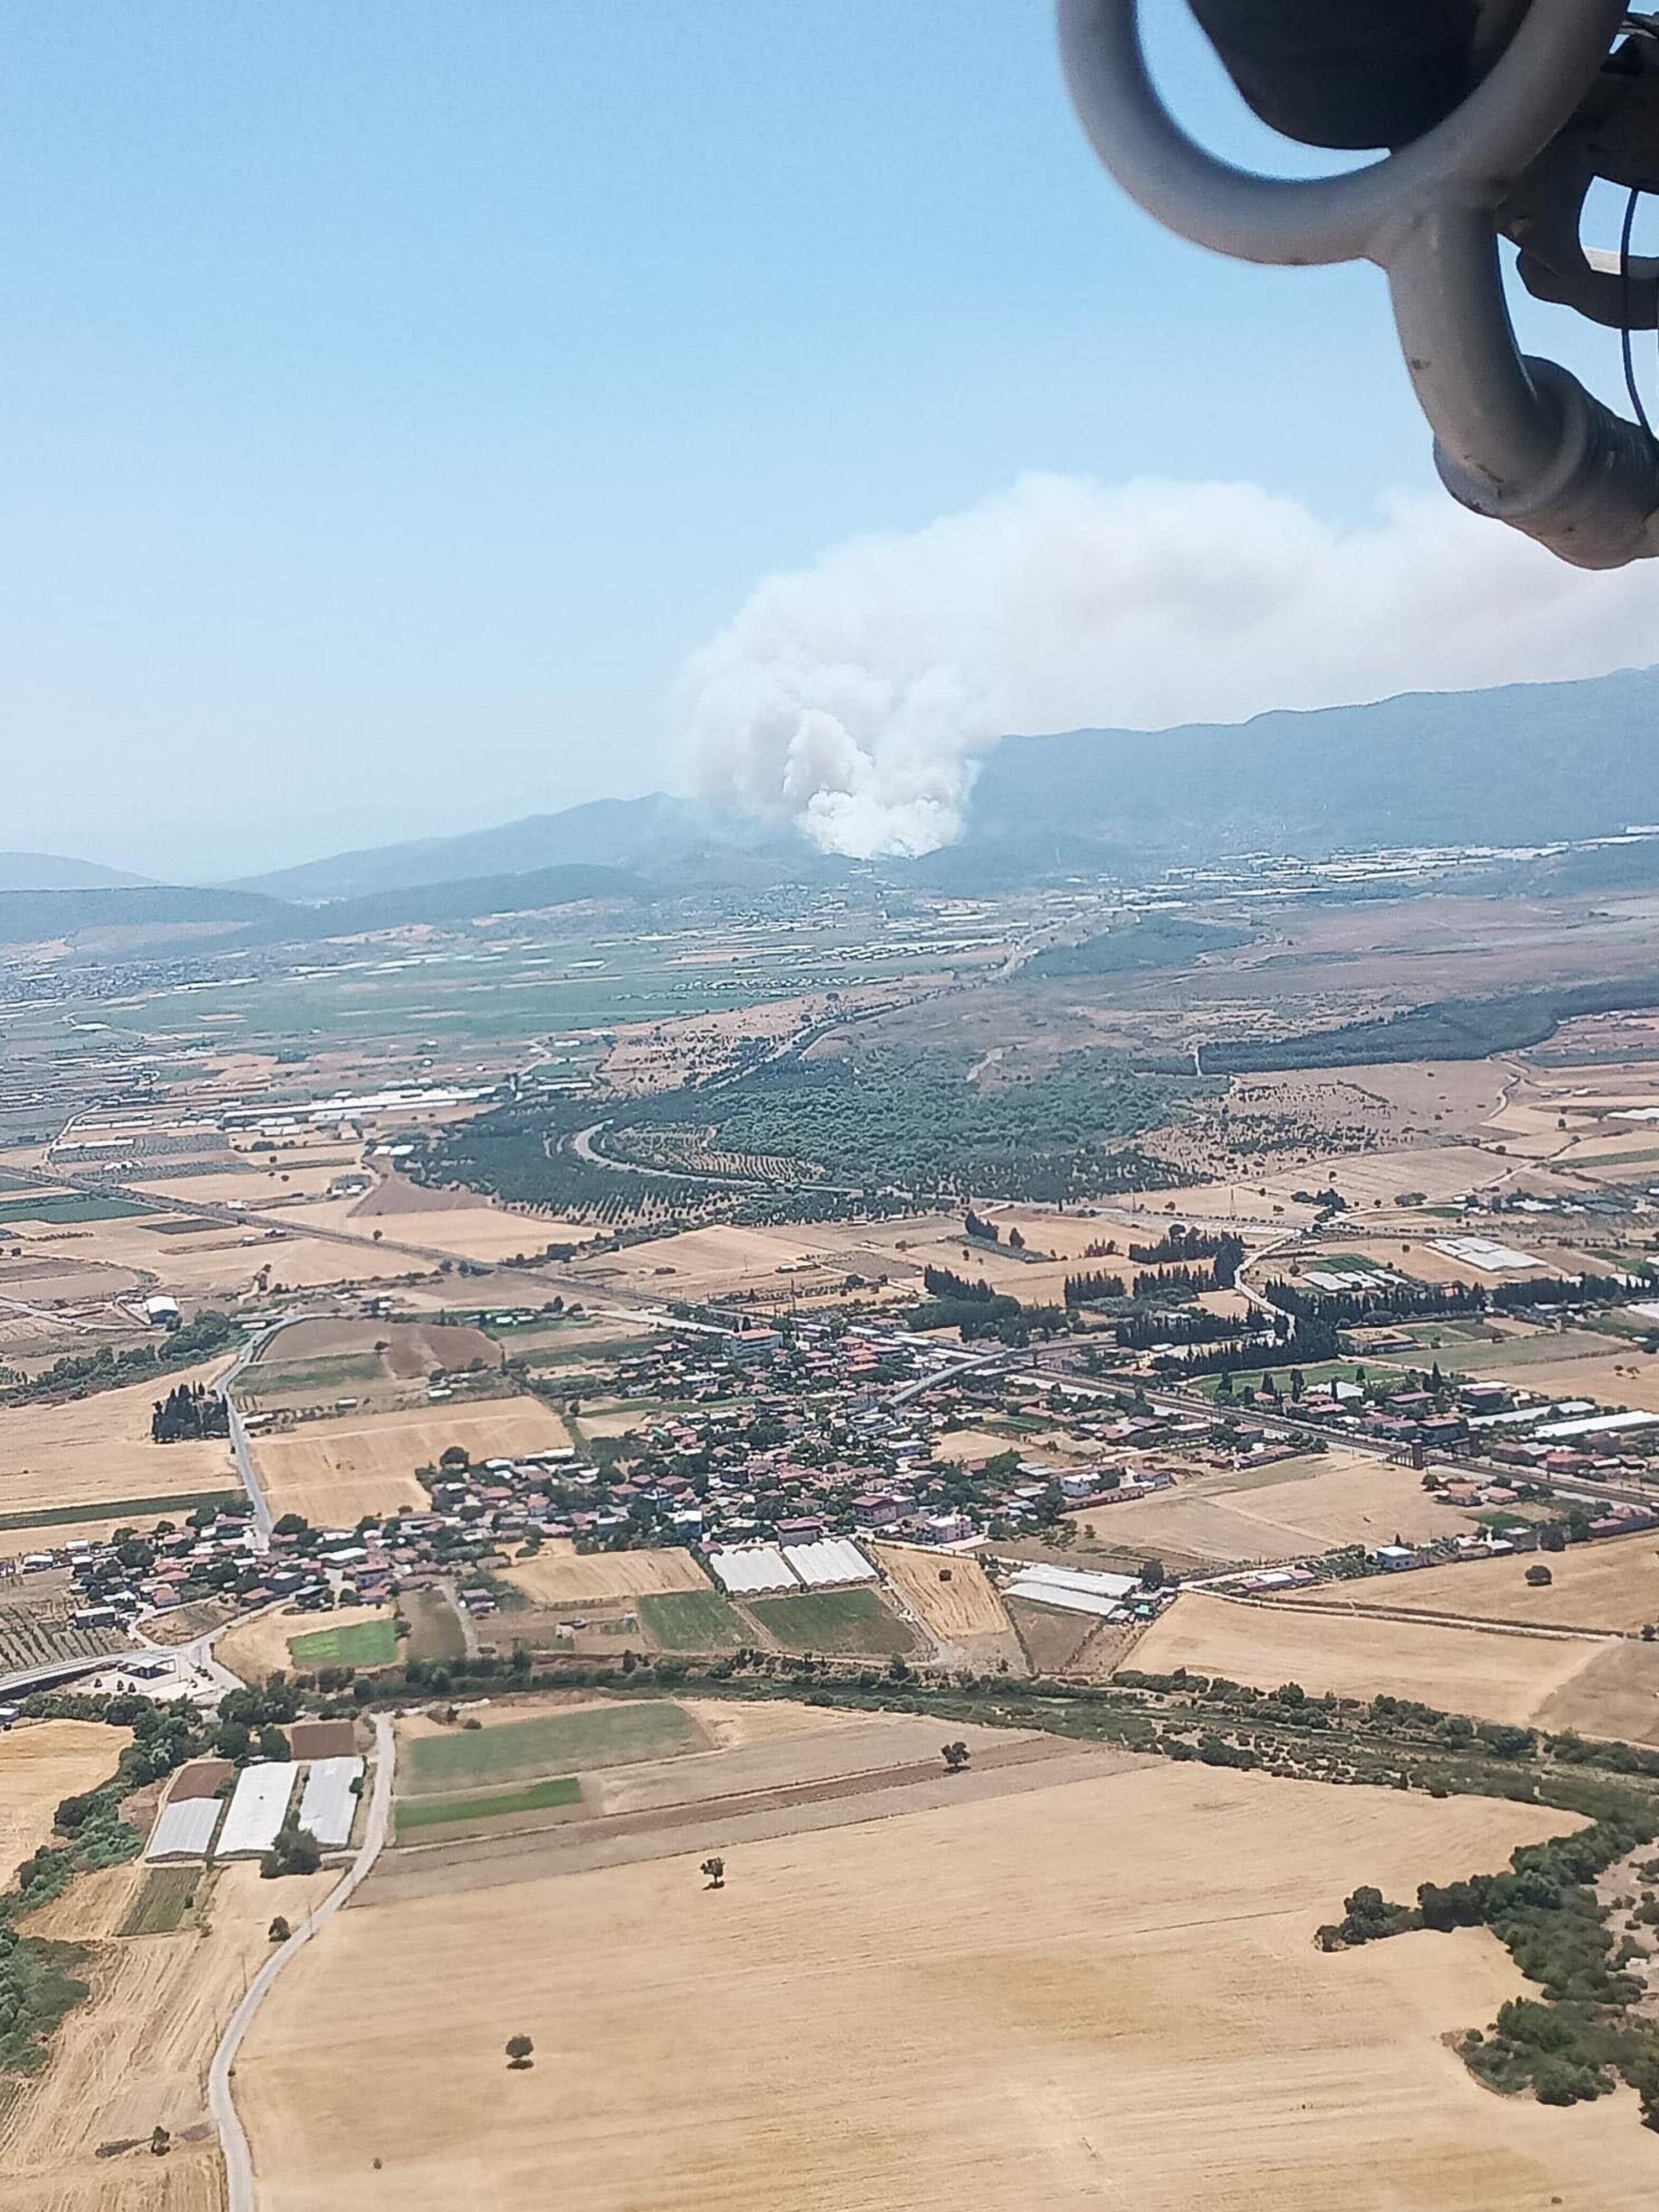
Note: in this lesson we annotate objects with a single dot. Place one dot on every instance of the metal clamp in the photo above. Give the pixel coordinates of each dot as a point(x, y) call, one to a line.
point(1517, 439)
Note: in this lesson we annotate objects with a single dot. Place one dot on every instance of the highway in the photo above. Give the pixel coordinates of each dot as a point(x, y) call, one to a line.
point(241, 2191)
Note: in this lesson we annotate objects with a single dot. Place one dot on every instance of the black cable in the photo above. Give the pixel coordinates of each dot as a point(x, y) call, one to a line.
point(1625, 346)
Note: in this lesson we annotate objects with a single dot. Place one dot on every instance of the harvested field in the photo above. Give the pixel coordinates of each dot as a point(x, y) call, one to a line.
point(963, 1613)
point(41, 1762)
point(1050, 1640)
point(514, 1748)
point(1486, 1674)
point(90, 1449)
point(1616, 1695)
point(134, 2056)
point(849, 1620)
point(331, 1472)
point(481, 1231)
point(890, 2033)
point(1612, 1375)
point(559, 1574)
point(262, 1647)
point(1613, 1584)
point(1281, 1511)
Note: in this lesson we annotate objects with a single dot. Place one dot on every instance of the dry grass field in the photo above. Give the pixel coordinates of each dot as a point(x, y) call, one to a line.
point(258, 1649)
point(478, 1230)
point(1608, 1585)
point(1065, 1996)
point(560, 1575)
point(1279, 1512)
point(1487, 1673)
point(134, 2056)
point(965, 1615)
point(332, 1472)
point(42, 1762)
point(90, 1449)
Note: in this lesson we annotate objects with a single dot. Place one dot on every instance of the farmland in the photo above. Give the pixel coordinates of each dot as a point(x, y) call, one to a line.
point(1488, 1674)
point(37, 1632)
point(368, 1644)
point(694, 1620)
point(89, 1450)
point(853, 1620)
point(512, 1749)
point(1608, 1586)
point(263, 1644)
point(135, 2054)
point(330, 1472)
point(39, 1765)
point(1021, 2050)
point(559, 1574)
point(1280, 1511)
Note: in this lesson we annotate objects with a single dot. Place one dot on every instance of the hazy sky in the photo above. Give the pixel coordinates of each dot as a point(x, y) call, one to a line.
point(396, 393)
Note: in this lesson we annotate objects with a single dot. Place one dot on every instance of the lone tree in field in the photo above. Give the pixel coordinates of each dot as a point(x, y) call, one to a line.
point(955, 1756)
point(161, 2141)
point(715, 1870)
point(519, 2048)
point(279, 1931)
point(1539, 1575)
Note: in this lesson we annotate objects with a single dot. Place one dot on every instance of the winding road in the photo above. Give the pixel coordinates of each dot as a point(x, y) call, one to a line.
point(240, 2190)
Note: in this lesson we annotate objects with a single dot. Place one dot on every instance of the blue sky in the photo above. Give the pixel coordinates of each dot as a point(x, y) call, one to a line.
point(396, 394)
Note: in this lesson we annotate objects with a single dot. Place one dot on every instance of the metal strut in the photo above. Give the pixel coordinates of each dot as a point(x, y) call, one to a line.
point(1516, 438)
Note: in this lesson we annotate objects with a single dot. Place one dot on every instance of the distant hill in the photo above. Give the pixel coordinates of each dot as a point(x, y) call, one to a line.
point(51, 871)
point(1528, 763)
point(673, 841)
point(439, 903)
point(41, 916)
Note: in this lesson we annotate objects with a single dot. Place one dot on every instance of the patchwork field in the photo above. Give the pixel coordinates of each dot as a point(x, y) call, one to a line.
point(890, 2033)
point(1559, 1681)
point(559, 1574)
point(41, 1762)
point(90, 1449)
point(1281, 1511)
point(331, 1472)
point(1613, 1585)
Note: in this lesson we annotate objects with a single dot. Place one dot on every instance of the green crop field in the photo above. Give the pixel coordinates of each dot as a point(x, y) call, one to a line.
point(558, 1789)
point(169, 1893)
point(368, 1644)
point(694, 1620)
point(853, 1620)
point(598, 1736)
point(68, 1207)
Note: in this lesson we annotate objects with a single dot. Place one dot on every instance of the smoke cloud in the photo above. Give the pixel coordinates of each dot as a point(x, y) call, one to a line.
point(855, 698)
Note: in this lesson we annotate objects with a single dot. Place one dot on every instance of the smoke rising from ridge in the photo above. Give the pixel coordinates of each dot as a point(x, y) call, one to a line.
point(856, 697)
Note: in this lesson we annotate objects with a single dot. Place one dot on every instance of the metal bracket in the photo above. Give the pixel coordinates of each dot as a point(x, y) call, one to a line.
point(1519, 440)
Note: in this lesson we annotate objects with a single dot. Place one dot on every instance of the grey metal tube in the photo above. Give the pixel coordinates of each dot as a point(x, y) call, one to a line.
point(1506, 121)
point(1489, 418)
point(1515, 439)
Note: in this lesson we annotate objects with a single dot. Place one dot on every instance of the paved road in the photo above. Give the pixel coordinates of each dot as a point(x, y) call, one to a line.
point(241, 2190)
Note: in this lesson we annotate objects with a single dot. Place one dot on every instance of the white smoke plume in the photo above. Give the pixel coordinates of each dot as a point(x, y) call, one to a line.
point(856, 697)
